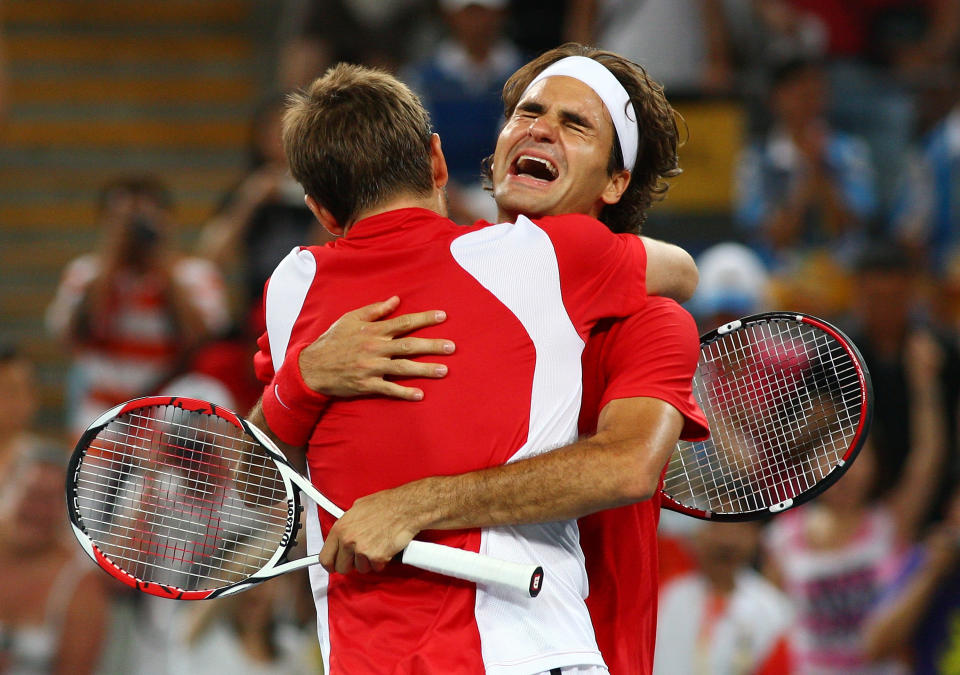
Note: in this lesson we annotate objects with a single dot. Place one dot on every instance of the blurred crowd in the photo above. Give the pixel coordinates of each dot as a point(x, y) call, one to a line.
point(845, 204)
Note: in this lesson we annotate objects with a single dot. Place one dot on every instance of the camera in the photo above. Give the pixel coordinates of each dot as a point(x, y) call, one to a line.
point(144, 232)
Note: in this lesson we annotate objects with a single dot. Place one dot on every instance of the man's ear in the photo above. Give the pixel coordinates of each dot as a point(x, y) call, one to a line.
point(326, 218)
point(616, 186)
point(438, 162)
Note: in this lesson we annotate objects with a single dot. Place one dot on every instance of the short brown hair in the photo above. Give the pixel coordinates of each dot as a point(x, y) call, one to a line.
point(658, 126)
point(355, 138)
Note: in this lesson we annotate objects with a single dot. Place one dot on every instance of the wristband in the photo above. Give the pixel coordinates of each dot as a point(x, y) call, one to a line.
point(290, 407)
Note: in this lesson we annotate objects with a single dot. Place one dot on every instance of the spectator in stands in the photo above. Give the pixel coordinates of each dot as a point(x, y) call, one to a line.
point(261, 219)
point(723, 617)
point(459, 83)
point(834, 556)
point(904, 36)
point(921, 609)
point(887, 303)
point(315, 34)
point(134, 310)
point(878, 53)
point(804, 186)
point(52, 605)
point(18, 406)
point(733, 283)
point(249, 633)
point(258, 222)
point(681, 43)
point(926, 216)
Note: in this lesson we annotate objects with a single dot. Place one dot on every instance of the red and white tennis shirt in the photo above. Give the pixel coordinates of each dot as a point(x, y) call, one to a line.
point(135, 345)
point(654, 354)
point(521, 300)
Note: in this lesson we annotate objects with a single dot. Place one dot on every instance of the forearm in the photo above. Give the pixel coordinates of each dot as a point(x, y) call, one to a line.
point(566, 483)
point(617, 466)
point(296, 455)
point(891, 630)
point(912, 496)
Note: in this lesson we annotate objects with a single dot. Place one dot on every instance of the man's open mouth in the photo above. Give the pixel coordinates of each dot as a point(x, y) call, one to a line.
point(535, 167)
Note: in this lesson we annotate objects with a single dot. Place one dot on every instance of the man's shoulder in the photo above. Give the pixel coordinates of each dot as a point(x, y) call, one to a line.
point(658, 314)
point(569, 220)
point(565, 219)
point(292, 277)
point(580, 232)
point(547, 222)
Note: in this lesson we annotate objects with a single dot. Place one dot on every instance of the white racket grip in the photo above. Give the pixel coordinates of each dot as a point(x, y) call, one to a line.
point(470, 566)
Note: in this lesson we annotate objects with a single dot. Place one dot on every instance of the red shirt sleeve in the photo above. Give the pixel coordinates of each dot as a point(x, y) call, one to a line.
point(652, 353)
point(602, 274)
point(262, 361)
point(290, 408)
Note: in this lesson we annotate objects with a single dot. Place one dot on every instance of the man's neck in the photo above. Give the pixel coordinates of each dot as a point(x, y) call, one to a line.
point(433, 202)
point(511, 217)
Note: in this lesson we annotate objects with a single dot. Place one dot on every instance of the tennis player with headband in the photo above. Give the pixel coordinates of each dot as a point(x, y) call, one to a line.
point(561, 151)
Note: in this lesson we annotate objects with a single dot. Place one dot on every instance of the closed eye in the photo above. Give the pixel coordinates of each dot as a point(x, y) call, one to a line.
point(575, 121)
point(529, 110)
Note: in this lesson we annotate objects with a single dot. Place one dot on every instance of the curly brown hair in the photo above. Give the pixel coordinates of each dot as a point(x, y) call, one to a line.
point(658, 126)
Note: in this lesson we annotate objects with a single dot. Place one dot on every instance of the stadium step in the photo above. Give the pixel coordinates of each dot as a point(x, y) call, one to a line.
point(102, 88)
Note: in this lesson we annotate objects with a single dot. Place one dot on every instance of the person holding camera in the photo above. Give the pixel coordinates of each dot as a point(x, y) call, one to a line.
point(133, 311)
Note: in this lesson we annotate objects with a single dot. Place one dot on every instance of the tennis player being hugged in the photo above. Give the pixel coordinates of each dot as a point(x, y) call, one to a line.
point(587, 132)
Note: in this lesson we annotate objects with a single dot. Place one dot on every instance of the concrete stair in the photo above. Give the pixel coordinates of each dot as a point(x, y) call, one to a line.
point(99, 88)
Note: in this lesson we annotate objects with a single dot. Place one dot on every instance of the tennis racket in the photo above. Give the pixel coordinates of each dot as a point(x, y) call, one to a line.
point(183, 499)
point(789, 401)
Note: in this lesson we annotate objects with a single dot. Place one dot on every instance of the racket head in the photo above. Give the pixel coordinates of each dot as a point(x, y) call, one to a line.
point(789, 402)
point(177, 498)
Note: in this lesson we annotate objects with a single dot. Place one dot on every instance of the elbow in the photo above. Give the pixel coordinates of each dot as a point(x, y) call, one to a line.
point(637, 461)
point(689, 279)
point(671, 271)
point(681, 278)
point(638, 485)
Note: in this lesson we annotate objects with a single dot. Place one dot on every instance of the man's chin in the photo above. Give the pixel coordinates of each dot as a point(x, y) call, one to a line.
point(513, 204)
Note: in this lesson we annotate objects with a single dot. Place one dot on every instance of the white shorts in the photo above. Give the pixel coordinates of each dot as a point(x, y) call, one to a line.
point(577, 670)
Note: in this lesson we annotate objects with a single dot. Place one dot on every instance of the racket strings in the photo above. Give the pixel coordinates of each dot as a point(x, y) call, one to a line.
point(783, 403)
point(181, 498)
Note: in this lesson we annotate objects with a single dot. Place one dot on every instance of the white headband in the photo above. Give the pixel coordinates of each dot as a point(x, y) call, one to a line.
point(616, 99)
